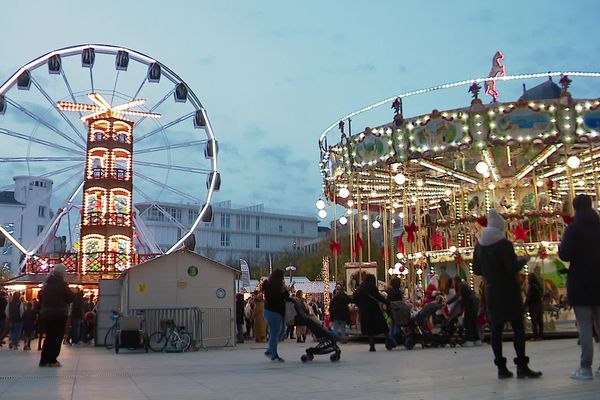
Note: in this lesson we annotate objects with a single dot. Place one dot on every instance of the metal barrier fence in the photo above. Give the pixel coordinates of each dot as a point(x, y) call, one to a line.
point(217, 326)
point(190, 318)
point(208, 326)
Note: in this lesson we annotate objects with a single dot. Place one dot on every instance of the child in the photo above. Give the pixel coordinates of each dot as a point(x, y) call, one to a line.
point(29, 317)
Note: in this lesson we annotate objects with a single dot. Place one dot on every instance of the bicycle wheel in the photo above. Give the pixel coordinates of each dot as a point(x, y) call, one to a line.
point(184, 342)
point(157, 341)
point(109, 339)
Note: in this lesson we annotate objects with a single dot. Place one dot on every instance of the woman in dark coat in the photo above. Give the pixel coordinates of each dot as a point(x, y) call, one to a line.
point(495, 259)
point(535, 306)
point(276, 294)
point(581, 246)
point(368, 299)
point(339, 311)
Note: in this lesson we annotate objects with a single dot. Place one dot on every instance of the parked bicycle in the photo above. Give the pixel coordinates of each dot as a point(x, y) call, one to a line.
point(109, 338)
point(172, 336)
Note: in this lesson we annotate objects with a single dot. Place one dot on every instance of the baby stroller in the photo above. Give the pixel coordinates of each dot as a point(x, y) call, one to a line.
point(400, 312)
point(131, 333)
point(327, 339)
point(418, 329)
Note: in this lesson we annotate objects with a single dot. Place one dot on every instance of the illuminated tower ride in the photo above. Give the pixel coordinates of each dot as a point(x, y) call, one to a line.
point(107, 220)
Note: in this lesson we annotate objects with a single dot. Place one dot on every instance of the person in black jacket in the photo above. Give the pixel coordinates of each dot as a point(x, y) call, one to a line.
point(340, 313)
point(3, 322)
point(239, 317)
point(581, 246)
point(535, 306)
point(14, 311)
point(276, 295)
point(77, 312)
point(55, 297)
point(368, 299)
point(494, 258)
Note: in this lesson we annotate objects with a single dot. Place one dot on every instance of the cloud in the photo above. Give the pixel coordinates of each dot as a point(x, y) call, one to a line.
point(253, 132)
point(206, 60)
point(364, 68)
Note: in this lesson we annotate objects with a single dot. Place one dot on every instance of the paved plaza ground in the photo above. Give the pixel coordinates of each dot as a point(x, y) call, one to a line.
point(243, 372)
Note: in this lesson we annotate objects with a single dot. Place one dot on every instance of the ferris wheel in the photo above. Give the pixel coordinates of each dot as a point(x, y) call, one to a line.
point(173, 158)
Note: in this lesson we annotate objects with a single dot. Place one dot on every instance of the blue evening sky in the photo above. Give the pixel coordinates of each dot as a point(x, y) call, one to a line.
point(274, 74)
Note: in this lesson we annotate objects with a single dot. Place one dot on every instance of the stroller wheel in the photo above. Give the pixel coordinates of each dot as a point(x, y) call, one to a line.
point(303, 358)
point(335, 357)
point(409, 343)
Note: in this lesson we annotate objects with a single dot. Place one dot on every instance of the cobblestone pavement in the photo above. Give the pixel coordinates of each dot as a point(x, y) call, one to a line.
point(243, 372)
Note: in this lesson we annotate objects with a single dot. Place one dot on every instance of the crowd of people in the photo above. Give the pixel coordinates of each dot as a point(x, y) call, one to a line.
point(59, 315)
point(503, 298)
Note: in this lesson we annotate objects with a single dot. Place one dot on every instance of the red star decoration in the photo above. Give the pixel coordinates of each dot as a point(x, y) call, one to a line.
point(520, 232)
point(410, 232)
point(436, 240)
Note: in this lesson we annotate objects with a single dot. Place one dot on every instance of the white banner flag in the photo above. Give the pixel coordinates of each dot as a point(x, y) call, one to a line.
point(245, 273)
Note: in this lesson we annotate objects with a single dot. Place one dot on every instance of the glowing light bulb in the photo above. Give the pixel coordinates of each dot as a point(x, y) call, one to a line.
point(573, 162)
point(401, 215)
point(581, 182)
point(343, 220)
point(420, 182)
point(452, 249)
point(419, 271)
point(344, 193)
point(350, 203)
point(376, 224)
point(539, 183)
point(447, 192)
point(492, 186)
point(322, 213)
point(400, 256)
point(482, 167)
point(399, 178)
point(365, 217)
point(320, 204)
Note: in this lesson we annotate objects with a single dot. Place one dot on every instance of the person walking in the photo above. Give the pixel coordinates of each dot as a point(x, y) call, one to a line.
point(299, 321)
point(276, 294)
point(14, 311)
point(54, 297)
point(76, 316)
point(3, 304)
point(494, 258)
point(368, 299)
point(535, 306)
point(239, 317)
point(29, 320)
point(259, 323)
point(340, 313)
point(580, 246)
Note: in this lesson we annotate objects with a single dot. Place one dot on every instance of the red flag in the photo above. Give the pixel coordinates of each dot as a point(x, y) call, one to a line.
point(358, 242)
point(335, 247)
point(400, 244)
point(482, 221)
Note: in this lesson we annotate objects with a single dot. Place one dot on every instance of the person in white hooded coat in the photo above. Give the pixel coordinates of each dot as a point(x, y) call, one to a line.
point(494, 258)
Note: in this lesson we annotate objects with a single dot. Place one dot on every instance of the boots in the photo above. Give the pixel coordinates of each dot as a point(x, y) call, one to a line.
point(503, 372)
point(523, 370)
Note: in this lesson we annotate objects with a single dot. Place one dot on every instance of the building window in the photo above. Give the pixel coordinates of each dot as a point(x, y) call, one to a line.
point(301, 227)
point(243, 222)
point(257, 224)
point(40, 229)
point(192, 215)
point(174, 212)
point(280, 228)
point(258, 241)
point(225, 220)
point(41, 211)
point(155, 214)
point(225, 239)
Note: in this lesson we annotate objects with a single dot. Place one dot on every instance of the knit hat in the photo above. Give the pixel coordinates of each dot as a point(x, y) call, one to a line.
point(582, 202)
point(59, 269)
point(495, 220)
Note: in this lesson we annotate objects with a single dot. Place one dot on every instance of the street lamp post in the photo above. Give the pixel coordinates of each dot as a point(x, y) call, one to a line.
point(291, 269)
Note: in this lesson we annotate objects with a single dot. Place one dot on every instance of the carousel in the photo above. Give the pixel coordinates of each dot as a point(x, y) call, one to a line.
point(424, 184)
